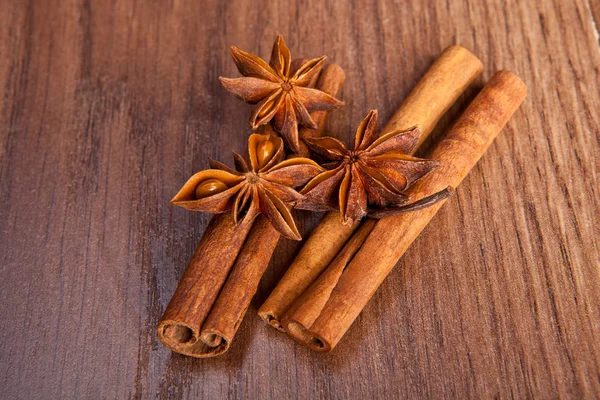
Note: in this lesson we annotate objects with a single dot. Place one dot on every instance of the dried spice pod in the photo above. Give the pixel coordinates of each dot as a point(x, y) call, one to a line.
point(373, 176)
point(262, 184)
point(281, 93)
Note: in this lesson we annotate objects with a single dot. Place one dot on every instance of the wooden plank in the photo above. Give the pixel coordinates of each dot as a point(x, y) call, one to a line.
point(107, 107)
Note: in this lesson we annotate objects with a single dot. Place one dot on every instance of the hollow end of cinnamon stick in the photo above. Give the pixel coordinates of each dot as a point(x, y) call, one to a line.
point(188, 341)
point(304, 336)
point(178, 334)
point(272, 320)
point(213, 339)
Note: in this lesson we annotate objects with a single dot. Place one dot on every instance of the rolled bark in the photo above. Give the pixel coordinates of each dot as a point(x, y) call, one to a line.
point(309, 305)
point(228, 311)
point(457, 154)
point(433, 95)
point(180, 326)
point(326, 239)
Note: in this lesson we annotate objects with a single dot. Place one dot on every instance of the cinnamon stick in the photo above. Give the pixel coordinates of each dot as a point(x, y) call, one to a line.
point(228, 311)
point(457, 154)
point(179, 327)
point(309, 305)
point(433, 95)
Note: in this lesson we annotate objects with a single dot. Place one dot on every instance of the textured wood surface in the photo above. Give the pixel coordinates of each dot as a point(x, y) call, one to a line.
point(106, 107)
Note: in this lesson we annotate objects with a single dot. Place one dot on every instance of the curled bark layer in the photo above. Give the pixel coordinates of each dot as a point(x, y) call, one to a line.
point(180, 326)
point(457, 154)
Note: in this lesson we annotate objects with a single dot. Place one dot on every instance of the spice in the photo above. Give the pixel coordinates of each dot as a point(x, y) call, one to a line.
point(435, 92)
point(281, 94)
point(216, 289)
point(308, 307)
point(265, 185)
point(262, 184)
point(230, 307)
point(179, 327)
point(373, 176)
point(457, 154)
point(242, 283)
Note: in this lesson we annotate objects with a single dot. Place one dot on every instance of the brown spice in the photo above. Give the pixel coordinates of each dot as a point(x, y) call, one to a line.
point(308, 307)
point(444, 82)
point(230, 307)
point(179, 327)
point(457, 154)
point(211, 332)
point(373, 176)
point(263, 185)
point(281, 93)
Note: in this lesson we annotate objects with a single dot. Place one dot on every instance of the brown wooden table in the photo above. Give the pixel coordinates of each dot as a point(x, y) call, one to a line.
point(106, 107)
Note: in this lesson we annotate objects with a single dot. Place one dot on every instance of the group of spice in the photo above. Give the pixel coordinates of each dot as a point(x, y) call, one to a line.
point(377, 196)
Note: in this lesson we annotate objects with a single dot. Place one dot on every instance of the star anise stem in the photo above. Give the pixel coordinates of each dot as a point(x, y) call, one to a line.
point(420, 204)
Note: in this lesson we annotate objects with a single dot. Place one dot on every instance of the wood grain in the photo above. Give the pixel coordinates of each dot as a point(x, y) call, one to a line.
point(106, 108)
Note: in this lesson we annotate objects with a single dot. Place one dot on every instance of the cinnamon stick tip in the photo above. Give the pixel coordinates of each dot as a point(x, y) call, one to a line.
point(182, 339)
point(457, 49)
point(272, 320)
point(510, 78)
point(174, 334)
point(214, 339)
point(299, 333)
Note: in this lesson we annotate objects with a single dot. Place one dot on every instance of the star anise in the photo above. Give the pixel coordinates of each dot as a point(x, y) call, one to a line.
point(281, 95)
point(372, 178)
point(264, 185)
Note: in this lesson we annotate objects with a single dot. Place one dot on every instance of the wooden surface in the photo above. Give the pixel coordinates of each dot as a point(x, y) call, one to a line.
point(106, 107)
